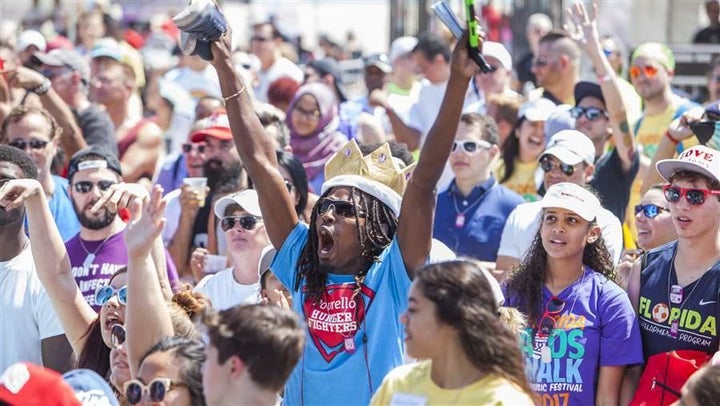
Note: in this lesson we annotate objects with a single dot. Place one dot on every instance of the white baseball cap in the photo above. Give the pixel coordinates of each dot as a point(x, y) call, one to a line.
point(571, 147)
point(573, 197)
point(536, 110)
point(247, 199)
point(499, 52)
point(699, 159)
point(31, 37)
point(402, 46)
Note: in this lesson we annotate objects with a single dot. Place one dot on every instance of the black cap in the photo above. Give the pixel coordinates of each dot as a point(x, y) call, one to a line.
point(77, 160)
point(584, 89)
point(329, 66)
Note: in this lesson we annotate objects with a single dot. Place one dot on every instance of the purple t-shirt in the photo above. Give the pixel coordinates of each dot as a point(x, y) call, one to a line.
point(109, 256)
point(596, 327)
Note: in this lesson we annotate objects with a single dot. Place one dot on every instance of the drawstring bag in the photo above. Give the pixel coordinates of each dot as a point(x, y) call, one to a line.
point(664, 376)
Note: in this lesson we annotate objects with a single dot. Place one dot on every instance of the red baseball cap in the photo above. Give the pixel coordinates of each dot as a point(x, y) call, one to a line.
point(216, 126)
point(29, 384)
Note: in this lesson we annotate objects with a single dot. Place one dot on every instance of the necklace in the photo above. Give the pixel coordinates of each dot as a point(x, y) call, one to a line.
point(676, 293)
point(545, 352)
point(91, 255)
point(460, 214)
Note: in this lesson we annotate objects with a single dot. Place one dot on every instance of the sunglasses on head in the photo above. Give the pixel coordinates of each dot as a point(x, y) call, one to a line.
point(591, 113)
point(547, 322)
point(470, 146)
point(189, 147)
point(649, 210)
point(85, 186)
point(340, 207)
point(696, 197)
point(649, 71)
point(34, 144)
point(246, 222)
point(547, 166)
point(103, 294)
point(117, 335)
point(157, 389)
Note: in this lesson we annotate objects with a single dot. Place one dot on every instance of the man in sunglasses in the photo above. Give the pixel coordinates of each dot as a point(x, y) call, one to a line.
point(99, 250)
point(568, 157)
point(682, 278)
point(556, 67)
point(35, 131)
point(265, 43)
point(29, 328)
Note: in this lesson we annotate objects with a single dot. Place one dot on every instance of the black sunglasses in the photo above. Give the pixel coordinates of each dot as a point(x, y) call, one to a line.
point(591, 113)
point(340, 207)
point(649, 210)
point(188, 147)
point(117, 335)
point(547, 166)
point(246, 222)
point(34, 144)
point(85, 186)
point(696, 197)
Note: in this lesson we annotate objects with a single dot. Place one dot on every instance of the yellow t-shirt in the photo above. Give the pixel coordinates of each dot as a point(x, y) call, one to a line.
point(522, 181)
point(411, 385)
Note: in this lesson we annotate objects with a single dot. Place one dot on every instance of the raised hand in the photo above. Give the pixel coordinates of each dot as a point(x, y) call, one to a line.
point(584, 27)
point(15, 192)
point(25, 78)
point(121, 195)
point(147, 221)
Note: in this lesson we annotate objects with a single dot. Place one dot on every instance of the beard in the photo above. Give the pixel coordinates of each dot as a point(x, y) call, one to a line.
point(104, 217)
point(223, 176)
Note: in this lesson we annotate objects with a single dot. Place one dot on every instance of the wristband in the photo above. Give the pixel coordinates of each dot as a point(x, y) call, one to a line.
point(43, 88)
point(670, 137)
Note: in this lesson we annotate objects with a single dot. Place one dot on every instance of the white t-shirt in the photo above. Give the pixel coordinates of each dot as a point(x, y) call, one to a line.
point(283, 67)
point(524, 222)
point(26, 313)
point(224, 292)
point(198, 84)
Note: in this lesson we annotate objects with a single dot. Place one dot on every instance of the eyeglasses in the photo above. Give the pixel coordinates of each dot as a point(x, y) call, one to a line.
point(246, 222)
point(649, 70)
point(117, 335)
point(547, 166)
point(696, 197)
point(540, 62)
point(470, 146)
point(308, 114)
point(34, 144)
point(649, 210)
point(188, 147)
point(157, 388)
point(591, 113)
point(547, 322)
point(85, 186)
point(340, 207)
point(103, 294)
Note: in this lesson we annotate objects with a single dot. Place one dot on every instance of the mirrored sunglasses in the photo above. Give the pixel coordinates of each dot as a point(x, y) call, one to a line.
point(649, 71)
point(696, 197)
point(591, 113)
point(117, 335)
point(547, 166)
point(103, 294)
point(649, 210)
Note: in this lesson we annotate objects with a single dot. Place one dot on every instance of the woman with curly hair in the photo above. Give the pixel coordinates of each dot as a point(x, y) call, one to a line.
point(582, 330)
point(471, 355)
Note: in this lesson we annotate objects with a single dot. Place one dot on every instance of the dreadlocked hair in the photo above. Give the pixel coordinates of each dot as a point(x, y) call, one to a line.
point(374, 236)
point(529, 276)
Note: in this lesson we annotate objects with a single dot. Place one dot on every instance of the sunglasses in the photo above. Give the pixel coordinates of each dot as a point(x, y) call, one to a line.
point(246, 222)
point(340, 207)
point(547, 166)
point(470, 146)
point(591, 113)
point(649, 210)
point(649, 71)
point(117, 335)
point(696, 197)
point(103, 294)
point(188, 147)
point(34, 144)
point(547, 322)
point(157, 388)
point(85, 186)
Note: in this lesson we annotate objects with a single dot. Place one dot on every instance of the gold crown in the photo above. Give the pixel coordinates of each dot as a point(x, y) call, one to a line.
point(377, 166)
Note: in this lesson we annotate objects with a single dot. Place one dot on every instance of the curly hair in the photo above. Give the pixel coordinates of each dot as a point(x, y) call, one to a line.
point(460, 291)
point(375, 236)
point(528, 277)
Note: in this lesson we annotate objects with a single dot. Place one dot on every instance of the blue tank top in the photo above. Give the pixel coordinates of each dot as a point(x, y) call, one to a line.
point(670, 320)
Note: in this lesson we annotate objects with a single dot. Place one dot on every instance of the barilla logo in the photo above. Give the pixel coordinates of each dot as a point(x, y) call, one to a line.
point(578, 198)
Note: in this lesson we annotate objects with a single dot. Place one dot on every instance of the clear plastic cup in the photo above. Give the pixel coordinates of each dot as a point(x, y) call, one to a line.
point(199, 185)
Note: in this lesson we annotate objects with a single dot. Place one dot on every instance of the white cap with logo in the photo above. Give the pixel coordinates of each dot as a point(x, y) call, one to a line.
point(573, 197)
point(699, 159)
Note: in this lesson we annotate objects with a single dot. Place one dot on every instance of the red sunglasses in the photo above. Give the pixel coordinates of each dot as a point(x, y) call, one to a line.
point(649, 71)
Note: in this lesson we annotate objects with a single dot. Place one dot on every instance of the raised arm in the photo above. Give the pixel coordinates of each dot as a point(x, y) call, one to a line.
point(585, 33)
point(255, 147)
point(51, 259)
point(147, 318)
point(418, 206)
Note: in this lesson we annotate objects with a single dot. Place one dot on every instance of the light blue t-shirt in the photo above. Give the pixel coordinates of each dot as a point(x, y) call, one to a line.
point(329, 373)
point(62, 209)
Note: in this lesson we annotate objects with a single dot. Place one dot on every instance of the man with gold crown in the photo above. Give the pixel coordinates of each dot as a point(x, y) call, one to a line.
point(349, 271)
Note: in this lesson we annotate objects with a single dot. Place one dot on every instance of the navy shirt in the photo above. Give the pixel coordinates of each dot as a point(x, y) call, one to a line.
point(485, 211)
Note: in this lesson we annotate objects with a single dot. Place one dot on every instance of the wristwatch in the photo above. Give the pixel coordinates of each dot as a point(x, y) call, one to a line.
point(43, 88)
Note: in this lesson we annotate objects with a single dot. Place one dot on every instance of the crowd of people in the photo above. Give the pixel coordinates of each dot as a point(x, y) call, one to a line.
point(224, 225)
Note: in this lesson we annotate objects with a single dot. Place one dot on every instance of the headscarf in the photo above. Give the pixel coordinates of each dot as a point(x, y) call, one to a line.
point(315, 149)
